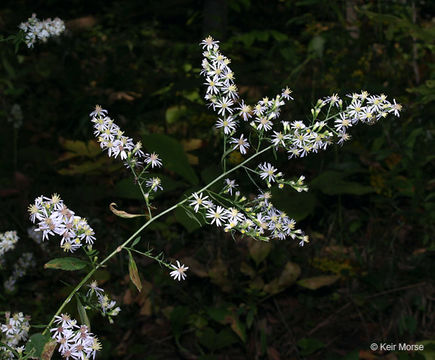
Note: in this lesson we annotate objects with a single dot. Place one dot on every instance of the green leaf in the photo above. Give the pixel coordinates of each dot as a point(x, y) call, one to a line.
point(173, 155)
point(39, 346)
point(316, 46)
point(134, 274)
point(69, 264)
point(174, 113)
point(82, 313)
point(136, 241)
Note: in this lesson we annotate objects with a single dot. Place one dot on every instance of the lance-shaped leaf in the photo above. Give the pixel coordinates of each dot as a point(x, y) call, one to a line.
point(69, 264)
point(82, 313)
point(122, 213)
point(134, 274)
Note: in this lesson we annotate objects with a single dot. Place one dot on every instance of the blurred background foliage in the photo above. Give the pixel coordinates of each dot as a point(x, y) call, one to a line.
point(367, 274)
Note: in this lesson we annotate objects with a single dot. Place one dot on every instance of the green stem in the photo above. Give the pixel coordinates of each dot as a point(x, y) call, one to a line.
point(149, 255)
point(132, 237)
point(145, 197)
point(224, 160)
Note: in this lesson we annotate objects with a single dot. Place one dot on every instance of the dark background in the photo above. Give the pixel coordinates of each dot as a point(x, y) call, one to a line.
point(370, 210)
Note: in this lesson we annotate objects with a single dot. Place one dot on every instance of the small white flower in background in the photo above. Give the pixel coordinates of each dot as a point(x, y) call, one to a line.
point(53, 217)
point(75, 341)
point(179, 272)
point(14, 330)
point(8, 240)
point(36, 236)
point(25, 261)
point(16, 116)
point(41, 30)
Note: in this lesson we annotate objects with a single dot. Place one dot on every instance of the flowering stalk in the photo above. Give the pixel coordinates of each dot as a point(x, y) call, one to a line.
point(135, 235)
point(228, 208)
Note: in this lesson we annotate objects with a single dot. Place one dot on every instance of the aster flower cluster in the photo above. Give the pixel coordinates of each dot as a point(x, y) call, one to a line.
point(256, 218)
point(75, 342)
point(223, 97)
point(52, 217)
point(296, 138)
point(14, 330)
point(36, 30)
point(26, 261)
point(299, 140)
point(8, 240)
point(112, 139)
point(104, 304)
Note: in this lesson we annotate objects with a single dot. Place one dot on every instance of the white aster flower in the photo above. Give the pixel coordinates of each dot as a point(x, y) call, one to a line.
point(154, 184)
point(242, 144)
point(267, 172)
point(153, 159)
point(179, 272)
point(199, 200)
point(224, 105)
point(209, 44)
point(217, 215)
point(231, 184)
point(228, 124)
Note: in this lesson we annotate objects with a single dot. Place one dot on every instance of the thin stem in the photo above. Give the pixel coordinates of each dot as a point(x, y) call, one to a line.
point(149, 255)
point(145, 196)
point(132, 237)
point(224, 160)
